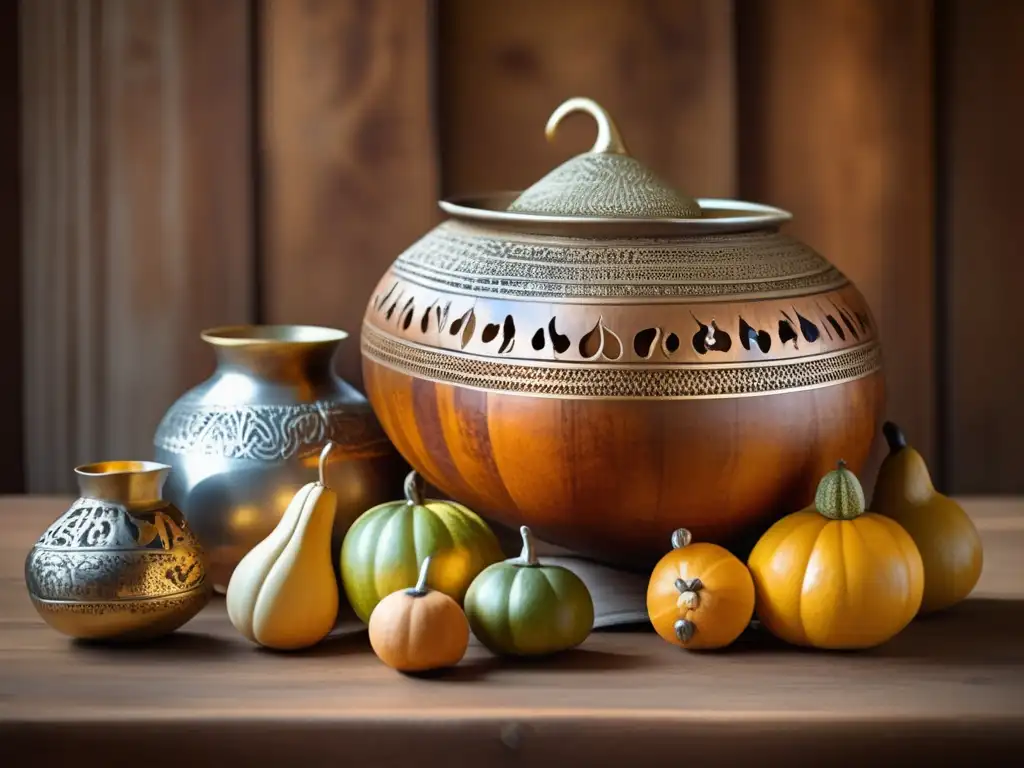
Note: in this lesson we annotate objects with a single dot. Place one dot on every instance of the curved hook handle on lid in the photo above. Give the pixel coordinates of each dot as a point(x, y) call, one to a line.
point(609, 140)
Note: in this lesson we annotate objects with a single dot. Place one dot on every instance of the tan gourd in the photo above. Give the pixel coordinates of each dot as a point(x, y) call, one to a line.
point(949, 543)
point(283, 594)
point(419, 629)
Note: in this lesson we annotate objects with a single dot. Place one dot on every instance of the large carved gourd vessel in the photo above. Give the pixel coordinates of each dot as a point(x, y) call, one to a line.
point(606, 360)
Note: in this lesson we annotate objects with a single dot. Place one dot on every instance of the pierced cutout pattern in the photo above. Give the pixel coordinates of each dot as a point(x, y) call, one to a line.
point(749, 337)
point(467, 324)
point(671, 345)
point(848, 321)
point(508, 335)
point(710, 338)
point(559, 341)
point(407, 312)
point(490, 333)
point(836, 326)
point(604, 343)
point(644, 342)
point(807, 328)
point(612, 382)
point(599, 340)
point(381, 300)
point(786, 333)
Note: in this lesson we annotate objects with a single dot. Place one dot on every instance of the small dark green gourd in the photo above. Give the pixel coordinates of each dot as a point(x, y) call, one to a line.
point(523, 607)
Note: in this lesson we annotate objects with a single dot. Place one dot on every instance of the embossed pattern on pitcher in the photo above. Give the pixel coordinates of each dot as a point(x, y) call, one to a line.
point(267, 432)
point(99, 552)
point(123, 566)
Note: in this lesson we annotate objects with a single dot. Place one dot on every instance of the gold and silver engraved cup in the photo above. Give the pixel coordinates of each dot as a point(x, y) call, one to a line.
point(121, 563)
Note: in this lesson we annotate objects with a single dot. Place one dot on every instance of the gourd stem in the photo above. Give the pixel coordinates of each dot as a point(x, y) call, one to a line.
point(528, 555)
point(681, 538)
point(323, 461)
point(840, 495)
point(421, 583)
point(412, 489)
point(894, 437)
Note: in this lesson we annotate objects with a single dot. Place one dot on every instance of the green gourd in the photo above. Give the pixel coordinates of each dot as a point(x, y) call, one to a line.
point(840, 495)
point(521, 607)
point(386, 546)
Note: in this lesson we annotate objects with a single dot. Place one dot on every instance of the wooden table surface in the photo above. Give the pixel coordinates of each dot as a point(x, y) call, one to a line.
point(949, 688)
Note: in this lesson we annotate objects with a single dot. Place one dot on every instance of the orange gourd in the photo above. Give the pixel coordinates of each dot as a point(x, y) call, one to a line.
point(834, 576)
point(419, 629)
point(700, 596)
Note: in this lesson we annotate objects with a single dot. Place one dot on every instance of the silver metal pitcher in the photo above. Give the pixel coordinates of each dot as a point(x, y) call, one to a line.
point(246, 439)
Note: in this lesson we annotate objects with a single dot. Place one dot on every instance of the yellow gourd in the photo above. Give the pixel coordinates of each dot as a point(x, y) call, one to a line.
point(835, 576)
point(283, 594)
point(419, 629)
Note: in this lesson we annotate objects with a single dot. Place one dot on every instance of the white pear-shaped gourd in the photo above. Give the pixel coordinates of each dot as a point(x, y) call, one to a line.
point(283, 594)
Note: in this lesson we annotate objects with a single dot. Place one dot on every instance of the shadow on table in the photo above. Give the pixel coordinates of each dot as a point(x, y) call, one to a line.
point(341, 642)
point(979, 631)
point(183, 643)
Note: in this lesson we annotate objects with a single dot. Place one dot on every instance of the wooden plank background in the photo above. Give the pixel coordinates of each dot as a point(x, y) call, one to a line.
point(664, 68)
point(12, 465)
point(190, 163)
point(836, 110)
point(348, 159)
point(983, 118)
point(137, 223)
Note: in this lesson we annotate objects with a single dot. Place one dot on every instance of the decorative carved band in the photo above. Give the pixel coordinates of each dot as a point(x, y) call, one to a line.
point(267, 432)
point(763, 264)
point(578, 380)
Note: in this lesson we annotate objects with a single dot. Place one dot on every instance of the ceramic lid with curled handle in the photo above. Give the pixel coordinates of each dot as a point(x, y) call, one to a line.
point(606, 192)
point(606, 181)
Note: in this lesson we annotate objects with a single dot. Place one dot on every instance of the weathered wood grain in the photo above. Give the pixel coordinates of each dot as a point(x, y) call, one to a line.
point(837, 127)
point(349, 162)
point(949, 687)
point(137, 216)
point(983, 115)
point(663, 68)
